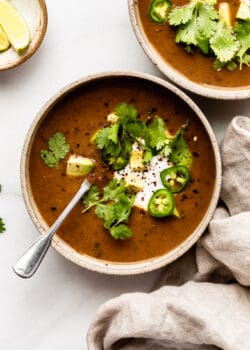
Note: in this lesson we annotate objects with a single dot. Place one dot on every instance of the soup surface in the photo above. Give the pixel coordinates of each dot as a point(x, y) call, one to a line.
point(79, 115)
point(196, 67)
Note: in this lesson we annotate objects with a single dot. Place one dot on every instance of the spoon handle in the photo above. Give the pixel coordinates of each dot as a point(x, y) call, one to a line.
point(27, 265)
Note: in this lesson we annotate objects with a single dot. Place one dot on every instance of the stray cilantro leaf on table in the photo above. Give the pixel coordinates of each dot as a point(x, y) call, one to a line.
point(2, 225)
point(58, 149)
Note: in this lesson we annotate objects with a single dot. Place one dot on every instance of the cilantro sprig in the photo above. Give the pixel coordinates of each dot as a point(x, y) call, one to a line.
point(58, 149)
point(2, 225)
point(113, 207)
point(116, 141)
point(198, 25)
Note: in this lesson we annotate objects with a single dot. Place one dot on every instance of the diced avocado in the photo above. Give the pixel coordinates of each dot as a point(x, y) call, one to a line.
point(133, 183)
point(244, 10)
point(136, 161)
point(112, 118)
point(79, 166)
point(225, 15)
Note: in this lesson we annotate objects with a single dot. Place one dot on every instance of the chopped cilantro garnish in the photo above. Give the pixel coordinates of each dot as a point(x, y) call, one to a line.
point(114, 207)
point(199, 25)
point(58, 149)
point(115, 141)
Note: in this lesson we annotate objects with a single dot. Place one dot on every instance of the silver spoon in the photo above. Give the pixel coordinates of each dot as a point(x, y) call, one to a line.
point(27, 265)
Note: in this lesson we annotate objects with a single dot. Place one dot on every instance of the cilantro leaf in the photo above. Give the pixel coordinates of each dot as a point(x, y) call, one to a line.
point(2, 226)
point(114, 189)
point(181, 15)
point(187, 34)
point(206, 20)
point(125, 112)
point(224, 43)
point(114, 207)
point(180, 154)
point(157, 133)
point(91, 198)
point(121, 232)
point(123, 208)
point(242, 30)
point(106, 212)
point(58, 149)
point(148, 155)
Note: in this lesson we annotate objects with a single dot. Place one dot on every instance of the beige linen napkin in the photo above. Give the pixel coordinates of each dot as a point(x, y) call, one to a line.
point(204, 302)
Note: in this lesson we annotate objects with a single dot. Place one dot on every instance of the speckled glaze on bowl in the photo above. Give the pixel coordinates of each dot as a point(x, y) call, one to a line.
point(174, 75)
point(87, 261)
point(34, 12)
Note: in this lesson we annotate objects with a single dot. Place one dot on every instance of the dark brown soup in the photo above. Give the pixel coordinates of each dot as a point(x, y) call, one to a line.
point(78, 116)
point(196, 67)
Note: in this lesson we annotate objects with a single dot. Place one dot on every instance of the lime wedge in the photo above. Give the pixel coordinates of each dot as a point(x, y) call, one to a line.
point(14, 26)
point(4, 41)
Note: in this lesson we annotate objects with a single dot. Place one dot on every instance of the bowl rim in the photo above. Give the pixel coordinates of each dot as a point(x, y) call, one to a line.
point(62, 247)
point(30, 53)
point(174, 75)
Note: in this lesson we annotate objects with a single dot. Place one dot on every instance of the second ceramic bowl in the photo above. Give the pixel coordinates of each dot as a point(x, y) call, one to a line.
point(167, 69)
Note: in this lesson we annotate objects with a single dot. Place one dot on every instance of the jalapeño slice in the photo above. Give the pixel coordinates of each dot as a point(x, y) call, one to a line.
point(158, 11)
point(161, 203)
point(175, 178)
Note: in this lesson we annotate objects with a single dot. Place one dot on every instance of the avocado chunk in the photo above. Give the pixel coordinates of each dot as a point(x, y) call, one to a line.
point(79, 166)
point(133, 183)
point(244, 10)
point(136, 161)
point(225, 15)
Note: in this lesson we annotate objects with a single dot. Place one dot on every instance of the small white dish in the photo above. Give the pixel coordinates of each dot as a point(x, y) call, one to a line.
point(34, 13)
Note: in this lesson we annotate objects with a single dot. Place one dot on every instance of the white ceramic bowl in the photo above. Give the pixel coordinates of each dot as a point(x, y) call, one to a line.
point(97, 264)
point(173, 74)
point(34, 12)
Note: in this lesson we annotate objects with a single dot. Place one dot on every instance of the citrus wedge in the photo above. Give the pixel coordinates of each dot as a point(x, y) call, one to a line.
point(14, 26)
point(4, 41)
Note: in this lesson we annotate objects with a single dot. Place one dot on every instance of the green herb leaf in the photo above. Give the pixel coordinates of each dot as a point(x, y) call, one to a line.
point(58, 149)
point(180, 154)
point(181, 15)
point(157, 133)
point(242, 30)
point(121, 232)
point(106, 212)
point(123, 208)
point(91, 197)
point(113, 208)
point(127, 112)
point(224, 43)
point(114, 189)
point(2, 226)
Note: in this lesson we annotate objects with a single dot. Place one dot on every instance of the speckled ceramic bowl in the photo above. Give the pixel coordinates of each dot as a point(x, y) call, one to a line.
point(34, 12)
point(173, 74)
point(102, 265)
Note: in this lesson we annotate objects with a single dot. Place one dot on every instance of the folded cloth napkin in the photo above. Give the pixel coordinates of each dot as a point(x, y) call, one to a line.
point(203, 301)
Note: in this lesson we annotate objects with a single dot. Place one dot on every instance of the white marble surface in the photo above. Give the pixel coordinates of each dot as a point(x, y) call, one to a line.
point(54, 308)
